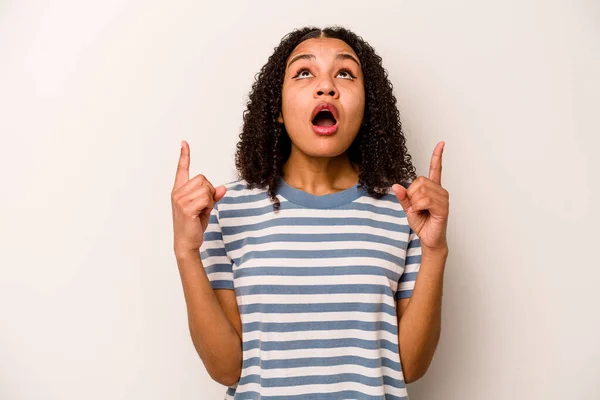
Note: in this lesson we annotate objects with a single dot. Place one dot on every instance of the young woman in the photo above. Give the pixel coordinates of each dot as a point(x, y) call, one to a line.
point(317, 274)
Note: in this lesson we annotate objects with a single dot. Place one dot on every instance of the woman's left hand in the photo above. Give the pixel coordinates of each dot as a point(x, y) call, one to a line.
point(426, 205)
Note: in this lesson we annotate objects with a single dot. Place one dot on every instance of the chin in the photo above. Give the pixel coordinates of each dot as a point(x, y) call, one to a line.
point(325, 148)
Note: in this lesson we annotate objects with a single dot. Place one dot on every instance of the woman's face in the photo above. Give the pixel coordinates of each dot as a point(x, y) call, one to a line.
point(323, 72)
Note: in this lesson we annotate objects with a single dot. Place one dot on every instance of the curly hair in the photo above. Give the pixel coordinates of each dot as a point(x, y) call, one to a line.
point(379, 148)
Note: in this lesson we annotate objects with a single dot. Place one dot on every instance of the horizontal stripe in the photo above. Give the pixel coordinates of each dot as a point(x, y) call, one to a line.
point(310, 263)
point(302, 391)
point(210, 236)
point(317, 271)
point(413, 245)
point(324, 368)
point(318, 326)
point(313, 308)
point(216, 284)
point(264, 209)
point(218, 268)
point(413, 260)
point(216, 252)
point(293, 345)
point(244, 198)
point(286, 317)
point(321, 379)
point(310, 238)
point(263, 203)
point(327, 353)
point(292, 222)
point(340, 394)
point(310, 254)
point(283, 280)
point(403, 294)
point(221, 276)
point(408, 276)
point(209, 261)
point(350, 249)
point(313, 289)
point(315, 298)
point(401, 236)
point(351, 360)
point(325, 334)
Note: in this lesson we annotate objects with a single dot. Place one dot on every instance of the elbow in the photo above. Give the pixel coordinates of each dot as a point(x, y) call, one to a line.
point(416, 367)
point(414, 374)
point(226, 378)
point(409, 377)
point(223, 372)
point(224, 367)
point(229, 380)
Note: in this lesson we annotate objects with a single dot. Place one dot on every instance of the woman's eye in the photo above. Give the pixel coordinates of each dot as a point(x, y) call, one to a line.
point(303, 73)
point(346, 74)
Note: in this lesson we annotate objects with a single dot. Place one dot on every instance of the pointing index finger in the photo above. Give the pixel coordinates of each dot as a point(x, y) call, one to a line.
point(435, 167)
point(183, 167)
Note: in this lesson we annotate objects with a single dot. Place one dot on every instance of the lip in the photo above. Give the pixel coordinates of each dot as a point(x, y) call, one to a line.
point(325, 130)
point(325, 106)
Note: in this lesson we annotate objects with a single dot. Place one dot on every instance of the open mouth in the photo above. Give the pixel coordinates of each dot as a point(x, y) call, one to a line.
point(324, 118)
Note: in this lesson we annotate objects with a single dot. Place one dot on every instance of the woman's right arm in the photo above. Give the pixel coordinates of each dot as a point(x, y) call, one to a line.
point(213, 320)
point(213, 317)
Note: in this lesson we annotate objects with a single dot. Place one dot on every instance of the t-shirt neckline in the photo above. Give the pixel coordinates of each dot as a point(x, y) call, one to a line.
point(313, 201)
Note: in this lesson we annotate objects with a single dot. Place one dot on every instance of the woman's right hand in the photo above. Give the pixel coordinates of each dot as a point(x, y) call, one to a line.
point(192, 201)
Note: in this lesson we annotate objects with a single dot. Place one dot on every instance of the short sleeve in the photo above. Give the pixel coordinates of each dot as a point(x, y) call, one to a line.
point(412, 263)
point(217, 264)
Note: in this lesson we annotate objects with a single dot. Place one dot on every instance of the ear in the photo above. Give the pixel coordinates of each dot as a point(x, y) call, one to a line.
point(280, 118)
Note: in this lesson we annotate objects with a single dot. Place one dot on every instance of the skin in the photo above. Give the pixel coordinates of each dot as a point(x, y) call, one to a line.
point(319, 164)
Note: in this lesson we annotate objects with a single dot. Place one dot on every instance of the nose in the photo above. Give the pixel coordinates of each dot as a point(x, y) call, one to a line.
point(326, 87)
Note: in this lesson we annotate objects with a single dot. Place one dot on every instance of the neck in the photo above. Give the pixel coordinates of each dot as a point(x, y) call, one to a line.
point(319, 175)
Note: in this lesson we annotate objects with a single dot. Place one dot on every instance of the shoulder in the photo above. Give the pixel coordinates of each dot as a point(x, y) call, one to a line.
point(239, 192)
point(387, 204)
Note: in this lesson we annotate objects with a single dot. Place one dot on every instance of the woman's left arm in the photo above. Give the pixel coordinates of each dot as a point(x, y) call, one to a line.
point(420, 317)
point(426, 204)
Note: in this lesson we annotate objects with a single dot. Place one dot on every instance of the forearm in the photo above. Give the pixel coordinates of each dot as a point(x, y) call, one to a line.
point(215, 339)
point(420, 325)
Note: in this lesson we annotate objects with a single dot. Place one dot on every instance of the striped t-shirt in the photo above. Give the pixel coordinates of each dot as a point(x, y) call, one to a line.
point(316, 286)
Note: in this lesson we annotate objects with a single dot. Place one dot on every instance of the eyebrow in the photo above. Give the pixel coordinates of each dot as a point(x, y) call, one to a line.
point(340, 56)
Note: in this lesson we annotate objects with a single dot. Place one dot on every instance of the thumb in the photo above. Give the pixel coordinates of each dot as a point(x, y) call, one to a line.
point(402, 196)
point(219, 193)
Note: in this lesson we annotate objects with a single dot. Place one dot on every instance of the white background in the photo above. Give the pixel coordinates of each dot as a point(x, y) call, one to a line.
point(96, 96)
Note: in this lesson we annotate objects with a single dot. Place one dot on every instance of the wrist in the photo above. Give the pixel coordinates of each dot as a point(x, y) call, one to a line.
point(435, 253)
point(186, 254)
